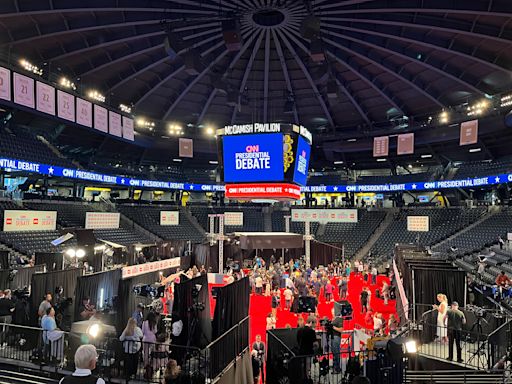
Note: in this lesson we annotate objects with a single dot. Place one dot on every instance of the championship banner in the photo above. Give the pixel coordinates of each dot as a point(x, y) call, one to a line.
point(469, 132)
point(169, 217)
point(84, 112)
point(380, 146)
point(5, 84)
point(24, 90)
point(418, 223)
point(186, 147)
point(141, 269)
point(234, 218)
point(405, 144)
point(45, 98)
point(114, 124)
point(325, 215)
point(20, 220)
point(101, 220)
point(100, 118)
point(66, 106)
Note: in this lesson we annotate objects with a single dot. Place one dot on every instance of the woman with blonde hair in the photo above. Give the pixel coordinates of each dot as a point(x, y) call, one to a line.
point(131, 338)
point(442, 308)
point(172, 373)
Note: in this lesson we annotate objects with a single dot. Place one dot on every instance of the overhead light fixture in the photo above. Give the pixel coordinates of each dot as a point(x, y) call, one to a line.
point(338, 162)
point(175, 129)
point(125, 108)
point(428, 156)
point(177, 160)
point(409, 166)
point(474, 150)
point(506, 100)
point(141, 122)
point(210, 131)
point(95, 95)
point(80, 253)
point(381, 160)
point(478, 108)
point(351, 140)
point(28, 66)
point(213, 162)
point(443, 117)
point(66, 83)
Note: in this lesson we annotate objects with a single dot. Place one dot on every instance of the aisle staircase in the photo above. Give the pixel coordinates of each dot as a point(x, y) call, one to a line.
point(363, 251)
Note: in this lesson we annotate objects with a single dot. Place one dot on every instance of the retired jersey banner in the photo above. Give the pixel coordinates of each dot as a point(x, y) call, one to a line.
point(418, 223)
point(169, 217)
point(405, 144)
point(100, 118)
point(186, 147)
point(234, 218)
point(45, 98)
point(5, 84)
point(20, 220)
point(325, 215)
point(66, 106)
point(114, 124)
point(141, 269)
point(128, 132)
point(24, 90)
point(84, 112)
point(380, 146)
point(101, 220)
point(469, 132)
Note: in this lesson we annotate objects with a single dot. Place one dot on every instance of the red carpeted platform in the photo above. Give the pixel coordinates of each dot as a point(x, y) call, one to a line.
point(260, 307)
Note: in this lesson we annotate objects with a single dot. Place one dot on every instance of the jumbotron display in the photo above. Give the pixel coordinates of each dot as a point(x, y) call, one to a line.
point(264, 160)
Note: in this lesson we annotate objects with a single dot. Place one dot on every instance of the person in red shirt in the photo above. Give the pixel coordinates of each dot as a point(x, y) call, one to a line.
point(502, 280)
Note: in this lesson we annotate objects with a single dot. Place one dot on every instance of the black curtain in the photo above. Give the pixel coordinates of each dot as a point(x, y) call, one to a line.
point(183, 301)
point(53, 260)
point(323, 254)
point(4, 259)
point(23, 276)
point(4, 279)
point(91, 286)
point(232, 306)
point(47, 282)
point(428, 282)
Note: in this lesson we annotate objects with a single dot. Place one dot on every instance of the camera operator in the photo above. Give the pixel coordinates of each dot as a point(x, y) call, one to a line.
point(6, 311)
point(337, 330)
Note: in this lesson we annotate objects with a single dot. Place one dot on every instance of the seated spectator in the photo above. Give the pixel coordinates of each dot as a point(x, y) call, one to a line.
point(85, 362)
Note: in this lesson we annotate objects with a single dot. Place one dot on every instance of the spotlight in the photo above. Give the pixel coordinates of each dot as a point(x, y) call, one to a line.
point(411, 347)
point(71, 252)
point(31, 67)
point(95, 95)
point(210, 131)
point(66, 83)
point(94, 330)
point(125, 108)
point(141, 122)
point(80, 253)
point(443, 117)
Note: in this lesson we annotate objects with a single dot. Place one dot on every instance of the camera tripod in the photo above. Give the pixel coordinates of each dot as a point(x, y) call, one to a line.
point(479, 356)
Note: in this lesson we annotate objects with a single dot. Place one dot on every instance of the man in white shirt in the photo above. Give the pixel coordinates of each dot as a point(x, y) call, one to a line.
point(258, 283)
point(85, 362)
point(288, 296)
point(374, 275)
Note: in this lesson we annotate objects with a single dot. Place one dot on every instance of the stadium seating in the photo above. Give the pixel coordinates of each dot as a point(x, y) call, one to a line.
point(148, 217)
point(30, 242)
point(444, 222)
point(483, 168)
point(68, 214)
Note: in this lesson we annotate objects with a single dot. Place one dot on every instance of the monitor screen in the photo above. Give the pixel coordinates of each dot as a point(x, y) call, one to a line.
point(300, 173)
point(253, 158)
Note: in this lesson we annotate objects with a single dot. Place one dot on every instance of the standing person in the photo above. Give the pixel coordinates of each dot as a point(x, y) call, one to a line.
point(328, 291)
point(501, 242)
point(364, 300)
point(343, 287)
point(138, 315)
point(271, 322)
point(385, 292)
point(360, 268)
point(337, 327)
point(255, 366)
point(392, 325)
point(347, 270)
point(276, 302)
point(149, 331)
point(259, 347)
point(288, 296)
point(374, 274)
point(85, 362)
point(131, 338)
point(455, 319)
point(258, 282)
point(43, 307)
point(306, 338)
point(378, 323)
point(6, 311)
point(441, 317)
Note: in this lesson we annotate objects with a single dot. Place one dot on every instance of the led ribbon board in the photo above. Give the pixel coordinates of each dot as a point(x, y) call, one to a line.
point(71, 173)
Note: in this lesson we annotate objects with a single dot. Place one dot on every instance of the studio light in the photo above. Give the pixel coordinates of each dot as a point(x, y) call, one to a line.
point(71, 252)
point(411, 347)
point(94, 330)
point(80, 253)
point(210, 131)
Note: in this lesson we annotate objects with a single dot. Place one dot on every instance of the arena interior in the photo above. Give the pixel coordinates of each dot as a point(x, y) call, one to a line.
point(255, 191)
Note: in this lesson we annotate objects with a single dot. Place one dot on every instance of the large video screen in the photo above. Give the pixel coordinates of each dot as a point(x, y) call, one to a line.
point(253, 158)
point(300, 173)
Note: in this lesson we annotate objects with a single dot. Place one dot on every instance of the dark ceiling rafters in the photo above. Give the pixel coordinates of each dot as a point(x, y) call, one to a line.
point(364, 39)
